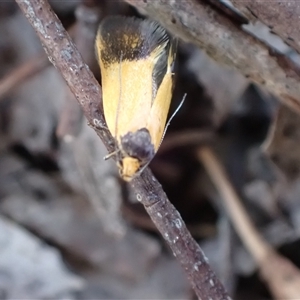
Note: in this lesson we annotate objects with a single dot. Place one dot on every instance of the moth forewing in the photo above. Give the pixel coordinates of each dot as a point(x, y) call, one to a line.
point(135, 97)
point(159, 111)
point(135, 60)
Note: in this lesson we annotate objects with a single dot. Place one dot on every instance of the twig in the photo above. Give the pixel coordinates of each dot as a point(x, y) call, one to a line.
point(283, 18)
point(201, 23)
point(21, 73)
point(138, 219)
point(282, 276)
point(256, 245)
point(170, 224)
point(83, 32)
point(65, 57)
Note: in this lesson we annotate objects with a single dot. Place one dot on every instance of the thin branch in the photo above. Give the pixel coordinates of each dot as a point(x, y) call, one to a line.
point(22, 73)
point(170, 224)
point(283, 18)
point(83, 33)
point(65, 57)
point(199, 22)
point(243, 225)
point(282, 277)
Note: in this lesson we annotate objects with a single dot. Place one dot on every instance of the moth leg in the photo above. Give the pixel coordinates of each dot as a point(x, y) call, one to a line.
point(111, 154)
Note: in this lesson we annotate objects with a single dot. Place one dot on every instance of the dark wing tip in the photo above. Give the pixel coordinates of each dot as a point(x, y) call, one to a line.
point(130, 37)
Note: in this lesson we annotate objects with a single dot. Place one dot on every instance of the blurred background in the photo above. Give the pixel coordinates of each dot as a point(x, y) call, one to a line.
point(71, 228)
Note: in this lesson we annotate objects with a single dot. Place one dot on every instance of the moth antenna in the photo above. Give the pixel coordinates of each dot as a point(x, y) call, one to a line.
point(171, 118)
point(167, 125)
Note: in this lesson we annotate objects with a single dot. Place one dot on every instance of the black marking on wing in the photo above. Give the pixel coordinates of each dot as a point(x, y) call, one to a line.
point(161, 66)
point(129, 38)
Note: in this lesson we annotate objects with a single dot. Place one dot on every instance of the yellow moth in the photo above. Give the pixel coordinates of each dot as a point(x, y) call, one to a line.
point(136, 58)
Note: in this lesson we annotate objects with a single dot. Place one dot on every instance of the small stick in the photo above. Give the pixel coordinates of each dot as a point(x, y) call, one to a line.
point(240, 219)
point(282, 277)
point(83, 32)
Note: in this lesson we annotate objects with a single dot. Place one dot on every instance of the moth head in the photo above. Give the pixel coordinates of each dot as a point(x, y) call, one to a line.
point(137, 150)
point(129, 167)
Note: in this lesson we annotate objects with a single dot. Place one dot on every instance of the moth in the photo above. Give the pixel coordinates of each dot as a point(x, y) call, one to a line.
point(136, 59)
